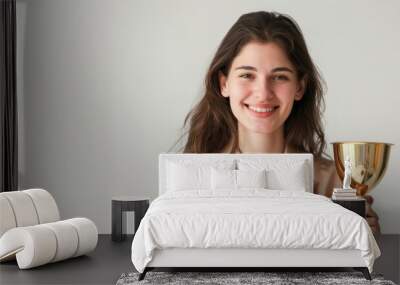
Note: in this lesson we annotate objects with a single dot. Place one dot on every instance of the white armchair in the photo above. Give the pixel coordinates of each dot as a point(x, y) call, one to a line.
point(31, 230)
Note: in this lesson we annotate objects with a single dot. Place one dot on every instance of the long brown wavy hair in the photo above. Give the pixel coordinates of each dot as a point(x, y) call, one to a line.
point(211, 126)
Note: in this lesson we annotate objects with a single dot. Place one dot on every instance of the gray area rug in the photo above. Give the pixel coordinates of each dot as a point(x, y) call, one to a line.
point(229, 278)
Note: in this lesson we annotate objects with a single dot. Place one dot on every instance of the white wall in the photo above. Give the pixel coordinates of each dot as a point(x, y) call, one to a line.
point(106, 86)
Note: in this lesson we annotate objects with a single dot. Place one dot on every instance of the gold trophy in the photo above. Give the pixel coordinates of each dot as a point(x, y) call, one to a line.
point(368, 162)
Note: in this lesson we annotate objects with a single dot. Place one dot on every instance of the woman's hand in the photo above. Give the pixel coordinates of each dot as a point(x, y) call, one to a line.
point(371, 216)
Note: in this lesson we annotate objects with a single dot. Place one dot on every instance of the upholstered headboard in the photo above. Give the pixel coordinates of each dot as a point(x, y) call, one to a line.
point(281, 162)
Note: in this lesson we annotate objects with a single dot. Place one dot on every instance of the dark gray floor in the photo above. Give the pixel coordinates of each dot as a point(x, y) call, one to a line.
point(389, 262)
point(111, 259)
point(103, 266)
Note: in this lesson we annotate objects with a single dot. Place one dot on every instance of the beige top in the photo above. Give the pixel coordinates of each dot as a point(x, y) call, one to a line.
point(325, 177)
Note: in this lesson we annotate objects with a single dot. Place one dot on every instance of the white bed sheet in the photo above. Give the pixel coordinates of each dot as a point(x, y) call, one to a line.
point(250, 218)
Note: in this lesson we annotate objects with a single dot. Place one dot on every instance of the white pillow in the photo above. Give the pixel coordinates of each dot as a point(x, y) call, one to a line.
point(281, 174)
point(251, 178)
point(188, 174)
point(223, 178)
point(182, 177)
point(236, 179)
point(293, 178)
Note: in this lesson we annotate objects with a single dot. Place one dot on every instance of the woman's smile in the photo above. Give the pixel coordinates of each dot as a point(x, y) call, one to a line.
point(261, 110)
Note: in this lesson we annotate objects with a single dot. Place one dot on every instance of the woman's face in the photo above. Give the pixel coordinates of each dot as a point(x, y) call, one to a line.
point(261, 85)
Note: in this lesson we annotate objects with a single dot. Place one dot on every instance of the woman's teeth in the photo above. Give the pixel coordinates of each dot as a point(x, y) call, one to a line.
point(261, 110)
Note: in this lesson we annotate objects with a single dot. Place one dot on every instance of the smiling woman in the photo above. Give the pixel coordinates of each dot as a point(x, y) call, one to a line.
point(262, 86)
point(263, 94)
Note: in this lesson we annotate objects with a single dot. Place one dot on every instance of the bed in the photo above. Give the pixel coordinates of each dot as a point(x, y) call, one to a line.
point(245, 211)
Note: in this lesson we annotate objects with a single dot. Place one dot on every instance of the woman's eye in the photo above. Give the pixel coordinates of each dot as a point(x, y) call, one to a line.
point(246, 75)
point(280, 78)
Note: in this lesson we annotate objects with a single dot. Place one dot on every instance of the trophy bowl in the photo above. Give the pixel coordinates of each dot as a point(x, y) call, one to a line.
point(368, 159)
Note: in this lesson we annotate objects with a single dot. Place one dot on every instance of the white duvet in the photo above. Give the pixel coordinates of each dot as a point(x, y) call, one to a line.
point(250, 218)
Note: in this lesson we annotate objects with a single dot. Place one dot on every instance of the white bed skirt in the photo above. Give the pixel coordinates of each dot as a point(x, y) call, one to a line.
point(236, 257)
